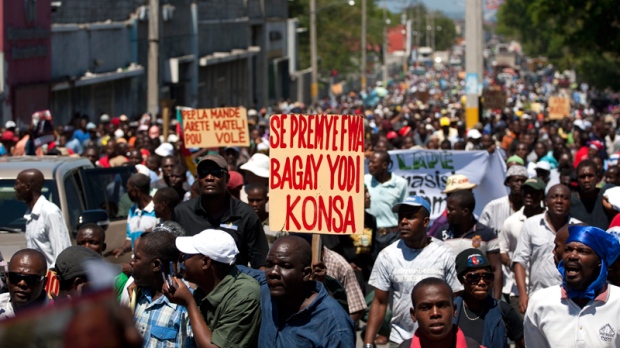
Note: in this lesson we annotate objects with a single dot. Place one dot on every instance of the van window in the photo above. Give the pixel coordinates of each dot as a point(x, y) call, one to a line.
point(13, 210)
point(74, 203)
point(106, 188)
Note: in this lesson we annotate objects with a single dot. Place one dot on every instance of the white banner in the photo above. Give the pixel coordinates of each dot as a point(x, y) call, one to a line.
point(427, 171)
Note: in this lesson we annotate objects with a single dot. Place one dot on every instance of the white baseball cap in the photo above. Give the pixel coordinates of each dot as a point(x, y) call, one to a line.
point(215, 244)
point(258, 164)
point(10, 124)
point(474, 134)
point(613, 196)
point(165, 149)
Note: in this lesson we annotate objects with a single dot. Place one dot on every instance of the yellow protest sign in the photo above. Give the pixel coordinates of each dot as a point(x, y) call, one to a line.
point(216, 127)
point(316, 175)
point(559, 107)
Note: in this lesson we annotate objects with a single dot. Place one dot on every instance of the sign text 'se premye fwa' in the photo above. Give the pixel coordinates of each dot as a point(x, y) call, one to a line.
point(316, 173)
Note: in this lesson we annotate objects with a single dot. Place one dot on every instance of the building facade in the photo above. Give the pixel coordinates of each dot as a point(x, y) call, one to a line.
point(91, 57)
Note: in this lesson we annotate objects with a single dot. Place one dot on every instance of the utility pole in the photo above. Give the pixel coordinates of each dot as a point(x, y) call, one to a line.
point(314, 89)
point(418, 16)
point(428, 30)
point(363, 46)
point(385, 45)
point(152, 104)
point(473, 57)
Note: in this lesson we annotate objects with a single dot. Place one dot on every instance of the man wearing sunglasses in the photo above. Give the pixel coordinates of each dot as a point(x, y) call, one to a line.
point(26, 279)
point(479, 315)
point(216, 209)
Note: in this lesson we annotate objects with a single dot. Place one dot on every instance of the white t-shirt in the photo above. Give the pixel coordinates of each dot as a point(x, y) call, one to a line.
point(554, 321)
point(399, 268)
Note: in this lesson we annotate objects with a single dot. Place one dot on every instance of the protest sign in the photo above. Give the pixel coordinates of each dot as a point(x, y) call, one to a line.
point(423, 96)
point(559, 107)
point(316, 173)
point(215, 127)
point(427, 171)
point(494, 99)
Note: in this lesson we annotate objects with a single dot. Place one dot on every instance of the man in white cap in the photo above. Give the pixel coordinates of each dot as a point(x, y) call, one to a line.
point(224, 310)
point(256, 172)
point(215, 208)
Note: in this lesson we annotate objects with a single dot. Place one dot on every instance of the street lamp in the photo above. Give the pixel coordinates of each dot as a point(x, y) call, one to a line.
point(314, 88)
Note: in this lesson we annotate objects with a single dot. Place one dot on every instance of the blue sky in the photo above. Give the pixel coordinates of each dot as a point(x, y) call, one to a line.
point(452, 8)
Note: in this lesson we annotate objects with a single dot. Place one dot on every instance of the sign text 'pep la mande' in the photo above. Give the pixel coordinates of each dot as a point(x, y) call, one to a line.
point(216, 127)
point(316, 173)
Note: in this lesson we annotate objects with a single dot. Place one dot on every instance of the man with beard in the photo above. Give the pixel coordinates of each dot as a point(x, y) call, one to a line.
point(535, 245)
point(587, 202)
point(583, 309)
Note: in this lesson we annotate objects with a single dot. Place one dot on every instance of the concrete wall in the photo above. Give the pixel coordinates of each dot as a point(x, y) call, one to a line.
point(77, 51)
point(223, 25)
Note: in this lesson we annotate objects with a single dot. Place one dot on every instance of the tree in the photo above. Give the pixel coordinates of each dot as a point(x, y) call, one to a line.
point(339, 32)
point(584, 35)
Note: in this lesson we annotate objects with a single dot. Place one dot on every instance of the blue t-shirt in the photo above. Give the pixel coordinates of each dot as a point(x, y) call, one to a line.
point(322, 324)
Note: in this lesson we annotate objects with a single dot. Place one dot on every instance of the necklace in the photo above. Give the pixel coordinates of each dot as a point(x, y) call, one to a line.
point(465, 311)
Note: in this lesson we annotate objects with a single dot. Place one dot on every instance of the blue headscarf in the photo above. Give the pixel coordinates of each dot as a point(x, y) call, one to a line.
point(605, 245)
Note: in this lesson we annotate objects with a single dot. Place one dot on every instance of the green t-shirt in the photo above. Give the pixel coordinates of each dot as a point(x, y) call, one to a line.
point(232, 310)
point(119, 285)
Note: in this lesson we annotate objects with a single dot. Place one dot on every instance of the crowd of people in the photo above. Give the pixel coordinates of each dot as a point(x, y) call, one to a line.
point(538, 267)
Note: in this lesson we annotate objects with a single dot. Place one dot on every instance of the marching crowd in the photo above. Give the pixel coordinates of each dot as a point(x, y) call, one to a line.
point(537, 268)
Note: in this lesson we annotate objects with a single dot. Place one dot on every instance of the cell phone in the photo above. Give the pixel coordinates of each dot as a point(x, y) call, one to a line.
point(167, 276)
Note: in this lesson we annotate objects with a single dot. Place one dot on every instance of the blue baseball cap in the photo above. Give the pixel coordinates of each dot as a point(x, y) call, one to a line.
point(414, 201)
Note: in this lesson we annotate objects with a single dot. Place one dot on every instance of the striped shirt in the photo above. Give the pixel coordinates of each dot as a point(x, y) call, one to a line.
point(535, 252)
point(508, 239)
point(139, 221)
point(161, 323)
point(495, 213)
point(399, 268)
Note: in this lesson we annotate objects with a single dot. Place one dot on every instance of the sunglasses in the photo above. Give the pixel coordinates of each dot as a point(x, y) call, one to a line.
point(30, 279)
point(186, 257)
point(474, 278)
point(216, 172)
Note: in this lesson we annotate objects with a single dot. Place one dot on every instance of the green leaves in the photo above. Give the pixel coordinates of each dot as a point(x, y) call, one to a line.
point(574, 34)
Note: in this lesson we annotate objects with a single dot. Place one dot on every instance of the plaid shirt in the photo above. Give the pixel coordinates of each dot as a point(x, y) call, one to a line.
point(339, 268)
point(161, 323)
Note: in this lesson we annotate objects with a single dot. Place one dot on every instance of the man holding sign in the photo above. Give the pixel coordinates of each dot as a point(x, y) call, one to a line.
point(402, 265)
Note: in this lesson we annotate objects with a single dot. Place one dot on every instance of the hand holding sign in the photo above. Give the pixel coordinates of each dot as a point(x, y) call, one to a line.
point(316, 171)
